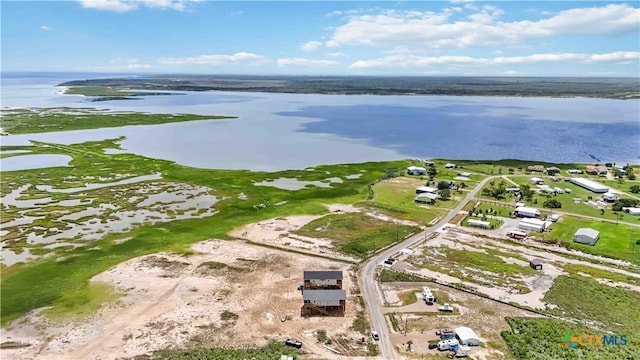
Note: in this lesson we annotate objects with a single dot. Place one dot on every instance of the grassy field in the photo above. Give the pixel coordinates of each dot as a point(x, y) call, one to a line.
point(616, 241)
point(395, 197)
point(601, 274)
point(494, 209)
point(198, 352)
point(409, 297)
point(532, 338)
point(28, 121)
point(396, 276)
point(607, 310)
point(482, 267)
point(609, 306)
point(64, 276)
point(356, 233)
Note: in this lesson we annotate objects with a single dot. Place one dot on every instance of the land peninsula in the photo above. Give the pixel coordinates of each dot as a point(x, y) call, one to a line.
point(614, 88)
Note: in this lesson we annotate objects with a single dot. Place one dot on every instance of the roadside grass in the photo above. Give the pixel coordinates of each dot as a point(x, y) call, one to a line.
point(78, 304)
point(601, 274)
point(200, 351)
point(356, 233)
point(531, 338)
point(616, 241)
point(397, 276)
point(396, 199)
point(610, 306)
point(490, 260)
point(31, 121)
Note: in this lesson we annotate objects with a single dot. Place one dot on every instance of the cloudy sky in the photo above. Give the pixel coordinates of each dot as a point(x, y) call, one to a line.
point(458, 37)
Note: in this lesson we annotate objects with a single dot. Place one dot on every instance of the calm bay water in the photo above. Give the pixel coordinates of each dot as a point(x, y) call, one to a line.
point(292, 131)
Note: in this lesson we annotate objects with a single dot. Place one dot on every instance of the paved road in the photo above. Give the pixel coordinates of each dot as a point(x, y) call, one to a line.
point(369, 285)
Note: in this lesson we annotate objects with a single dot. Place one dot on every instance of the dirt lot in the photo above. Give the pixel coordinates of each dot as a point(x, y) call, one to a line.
point(485, 317)
point(230, 293)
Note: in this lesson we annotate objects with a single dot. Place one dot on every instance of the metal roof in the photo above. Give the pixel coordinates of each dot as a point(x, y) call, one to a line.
point(536, 261)
point(426, 195)
point(311, 295)
point(322, 275)
point(594, 234)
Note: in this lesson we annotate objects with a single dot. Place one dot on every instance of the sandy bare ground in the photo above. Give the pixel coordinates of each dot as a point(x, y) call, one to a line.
point(169, 300)
point(278, 232)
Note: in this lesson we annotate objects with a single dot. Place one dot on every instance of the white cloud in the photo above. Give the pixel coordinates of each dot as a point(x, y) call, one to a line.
point(305, 62)
point(123, 60)
point(413, 61)
point(127, 67)
point(45, 28)
point(311, 46)
point(130, 5)
point(109, 5)
point(336, 54)
point(216, 59)
point(435, 30)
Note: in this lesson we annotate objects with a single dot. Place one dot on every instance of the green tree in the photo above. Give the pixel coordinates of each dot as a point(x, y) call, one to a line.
point(552, 204)
point(635, 189)
point(443, 185)
point(445, 194)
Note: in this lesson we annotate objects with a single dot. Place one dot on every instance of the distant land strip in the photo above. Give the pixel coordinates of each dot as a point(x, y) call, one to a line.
point(592, 87)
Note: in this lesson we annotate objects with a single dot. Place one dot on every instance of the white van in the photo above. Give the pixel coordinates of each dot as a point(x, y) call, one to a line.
point(446, 344)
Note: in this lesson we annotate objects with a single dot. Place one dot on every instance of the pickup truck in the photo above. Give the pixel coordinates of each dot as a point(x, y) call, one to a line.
point(446, 307)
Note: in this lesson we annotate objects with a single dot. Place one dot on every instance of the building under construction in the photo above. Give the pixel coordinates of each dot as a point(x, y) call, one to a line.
point(322, 294)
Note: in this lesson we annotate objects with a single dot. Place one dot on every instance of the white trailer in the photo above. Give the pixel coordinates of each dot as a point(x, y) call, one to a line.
point(524, 211)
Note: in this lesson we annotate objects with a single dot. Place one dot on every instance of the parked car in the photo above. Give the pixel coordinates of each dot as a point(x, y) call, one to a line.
point(433, 346)
point(375, 336)
point(293, 343)
point(446, 307)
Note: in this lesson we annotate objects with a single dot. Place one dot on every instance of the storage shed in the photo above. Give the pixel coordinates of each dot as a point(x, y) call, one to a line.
point(426, 198)
point(466, 336)
point(590, 185)
point(536, 264)
point(523, 211)
point(425, 189)
point(479, 223)
point(532, 225)
point(587, 236)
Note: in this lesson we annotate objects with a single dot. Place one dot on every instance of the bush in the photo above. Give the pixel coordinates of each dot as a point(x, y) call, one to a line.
point(552, 204)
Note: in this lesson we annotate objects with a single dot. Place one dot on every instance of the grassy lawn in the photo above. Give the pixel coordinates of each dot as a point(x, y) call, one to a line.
point(395, 197)
point(28, 121)
point(616, 241)
point(356, 233)
point(409, 297)
point(494, 209)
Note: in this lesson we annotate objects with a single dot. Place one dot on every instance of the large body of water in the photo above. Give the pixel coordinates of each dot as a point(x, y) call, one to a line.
point(293, 131)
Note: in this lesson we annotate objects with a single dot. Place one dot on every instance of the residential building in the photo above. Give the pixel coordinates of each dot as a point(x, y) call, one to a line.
point(324, 302)
point(536, 168)
point(425, 189)
point(591, 170)
point(416, 170)
point(322, 280)
point(426, 198)
point(552, 170)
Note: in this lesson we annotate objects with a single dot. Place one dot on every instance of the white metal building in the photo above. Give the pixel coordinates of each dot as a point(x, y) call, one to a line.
point(631, 210)
point(416, 170)
point(587, 236)
point(537, 181)
point(426, 197)
point(466, 336)
point(588, 184)
point(449, 166)
point(425, 189)
point(532, 225)
point(609, 196)
point(527, 212)
point(479, 223)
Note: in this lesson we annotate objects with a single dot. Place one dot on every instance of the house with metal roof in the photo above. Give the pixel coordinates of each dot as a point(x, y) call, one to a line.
point(322, 280)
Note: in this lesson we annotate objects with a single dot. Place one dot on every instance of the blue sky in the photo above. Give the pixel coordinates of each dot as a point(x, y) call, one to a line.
point(543, 38)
